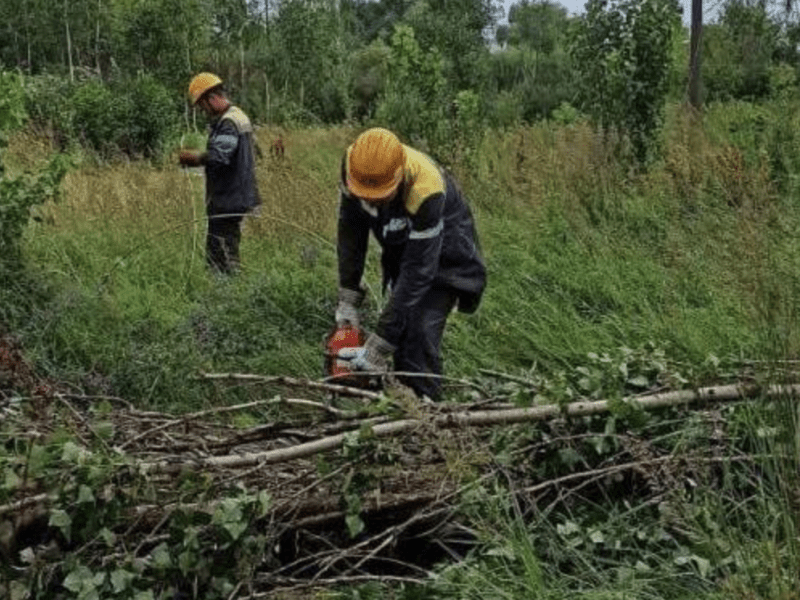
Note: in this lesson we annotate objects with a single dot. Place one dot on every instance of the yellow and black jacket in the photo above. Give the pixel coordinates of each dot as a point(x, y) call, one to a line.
point(230, 165)
point(427, 236)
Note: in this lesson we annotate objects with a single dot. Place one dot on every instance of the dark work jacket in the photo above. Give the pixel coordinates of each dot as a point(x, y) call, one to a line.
point(427, 236)
point(230, 165)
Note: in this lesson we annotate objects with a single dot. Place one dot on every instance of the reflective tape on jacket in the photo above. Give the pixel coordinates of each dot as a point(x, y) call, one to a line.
point(429, 233)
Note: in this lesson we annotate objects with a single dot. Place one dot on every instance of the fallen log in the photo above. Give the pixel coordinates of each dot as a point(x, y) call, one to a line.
point(726, 393)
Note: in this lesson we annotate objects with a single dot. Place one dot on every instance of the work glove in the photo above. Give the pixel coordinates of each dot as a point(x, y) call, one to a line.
point(372, 357)
point(347, 309)
point(191, 158)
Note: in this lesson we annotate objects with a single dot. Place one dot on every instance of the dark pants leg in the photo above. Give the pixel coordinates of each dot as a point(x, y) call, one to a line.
point(418, 351)
point(222, 243)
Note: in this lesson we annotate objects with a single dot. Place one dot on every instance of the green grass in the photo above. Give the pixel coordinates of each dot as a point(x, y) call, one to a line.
point(580, 259)
point(698, 258)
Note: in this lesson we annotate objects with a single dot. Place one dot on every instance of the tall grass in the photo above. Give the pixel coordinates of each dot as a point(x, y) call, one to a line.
point(698, 257)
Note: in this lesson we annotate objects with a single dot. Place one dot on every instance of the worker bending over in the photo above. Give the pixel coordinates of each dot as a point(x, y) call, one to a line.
point(430, 258)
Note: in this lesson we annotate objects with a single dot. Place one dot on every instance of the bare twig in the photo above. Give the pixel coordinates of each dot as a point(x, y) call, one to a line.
point(83, 421)
point(286, 584)
point(24, 503)
point(595, 474)
point(293, 382)
point(240, 407)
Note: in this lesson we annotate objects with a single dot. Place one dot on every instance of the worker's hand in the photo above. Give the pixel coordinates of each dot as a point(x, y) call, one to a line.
point(347, 309)
point(190, 158)
point(372, 357)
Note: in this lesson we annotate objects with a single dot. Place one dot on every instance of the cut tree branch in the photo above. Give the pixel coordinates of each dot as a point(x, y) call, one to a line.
point(725, 393)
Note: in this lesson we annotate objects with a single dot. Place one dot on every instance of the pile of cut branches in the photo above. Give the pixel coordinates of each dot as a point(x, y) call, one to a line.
point(102, 497)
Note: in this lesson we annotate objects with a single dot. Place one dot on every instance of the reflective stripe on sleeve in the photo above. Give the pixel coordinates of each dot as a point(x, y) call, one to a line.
point(226, 143)
point(426, 234)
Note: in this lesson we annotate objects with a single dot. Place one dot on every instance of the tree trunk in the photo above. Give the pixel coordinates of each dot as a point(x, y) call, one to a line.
point(69, 42)
point(695, 48)
point(97, 39)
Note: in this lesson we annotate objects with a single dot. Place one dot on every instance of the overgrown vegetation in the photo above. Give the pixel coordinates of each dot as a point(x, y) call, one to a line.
point(18, 195)
point(112, 75)
point(126, 370)
point(602, 287)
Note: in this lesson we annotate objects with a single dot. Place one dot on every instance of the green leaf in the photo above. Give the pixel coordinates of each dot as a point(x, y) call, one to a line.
point(597, 536)
point(570, 457)
point(74, 454)
point(121, 580)
point(355, 525)
point(37, 460)
point(85, 495)
point(235, 528)
point(161, 557)
point(230, 516)
point(108, 537)
point(74, 579)
point(568, 529)
point(83, 582)
point(105, 429)
point(264, 502)
point(12, 480)
point(19, 591)
point(60, 519)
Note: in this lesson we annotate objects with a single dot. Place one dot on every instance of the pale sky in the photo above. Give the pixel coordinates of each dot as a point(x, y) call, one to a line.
point(575, 7)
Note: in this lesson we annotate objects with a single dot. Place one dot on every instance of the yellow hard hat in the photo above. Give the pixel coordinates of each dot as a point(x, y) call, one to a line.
point(201, 83)
point(375, 164)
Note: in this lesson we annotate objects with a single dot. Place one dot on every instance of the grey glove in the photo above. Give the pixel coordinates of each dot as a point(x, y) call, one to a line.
point(347, 309)
point(373, 356)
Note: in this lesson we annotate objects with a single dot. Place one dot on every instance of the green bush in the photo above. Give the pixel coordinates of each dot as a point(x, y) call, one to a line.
point(153, 117)
point(506, 110)
point(415, 95)
point(20, 194)
point(98, 116)
point(622, 51)
point(17, 197)
point(47, 106)
point(135, 116)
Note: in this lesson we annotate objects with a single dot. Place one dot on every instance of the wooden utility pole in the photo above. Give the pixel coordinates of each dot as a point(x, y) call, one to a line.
point(695, 47)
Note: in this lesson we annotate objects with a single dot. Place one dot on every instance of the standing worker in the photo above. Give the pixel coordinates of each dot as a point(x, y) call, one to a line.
point(229, 162)
point(430, 256)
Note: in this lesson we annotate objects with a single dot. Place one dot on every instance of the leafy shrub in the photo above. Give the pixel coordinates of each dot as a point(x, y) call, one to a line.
point(765, 136)
point(99, 117)
point(47, 106)
point(153, 115)
point(565, 114)
point(414, 100)
point(12, 108)
point(469, 125)
point(135, 116)
point(622, 51)
point(506, 110)
point(19, 195)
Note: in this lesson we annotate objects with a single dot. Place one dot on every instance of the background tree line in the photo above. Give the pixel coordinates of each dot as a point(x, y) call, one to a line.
point(112, 73)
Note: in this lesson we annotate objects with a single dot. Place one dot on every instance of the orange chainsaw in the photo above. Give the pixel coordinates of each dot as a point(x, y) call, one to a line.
point(337, 368)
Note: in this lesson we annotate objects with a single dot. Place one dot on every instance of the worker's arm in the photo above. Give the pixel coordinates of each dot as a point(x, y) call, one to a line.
point(222, 146)
point(352, 241)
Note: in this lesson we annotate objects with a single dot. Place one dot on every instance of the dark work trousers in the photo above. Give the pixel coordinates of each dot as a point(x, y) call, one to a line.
point(419, 348)
point(222, 243)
